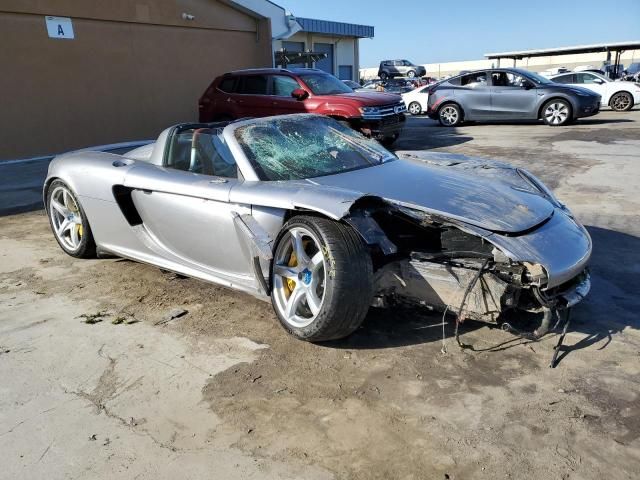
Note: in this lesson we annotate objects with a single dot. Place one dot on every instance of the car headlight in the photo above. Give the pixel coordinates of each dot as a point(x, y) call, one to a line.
point(369, 110)
point(580, 93)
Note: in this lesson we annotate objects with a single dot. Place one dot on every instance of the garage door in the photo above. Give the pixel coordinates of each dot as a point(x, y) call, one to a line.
point(325, 64)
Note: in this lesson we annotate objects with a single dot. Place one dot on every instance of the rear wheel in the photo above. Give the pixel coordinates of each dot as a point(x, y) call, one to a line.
point(557, 113)
point(69, 222)
point(450, 115)
point(415, 108)
point(322, 279)
point(621, 102)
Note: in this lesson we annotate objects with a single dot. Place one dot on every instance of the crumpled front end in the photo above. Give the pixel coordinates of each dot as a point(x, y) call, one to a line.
point(445, 265)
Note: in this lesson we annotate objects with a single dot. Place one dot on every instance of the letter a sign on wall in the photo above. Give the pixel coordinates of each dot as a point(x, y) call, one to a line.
point(59, 27)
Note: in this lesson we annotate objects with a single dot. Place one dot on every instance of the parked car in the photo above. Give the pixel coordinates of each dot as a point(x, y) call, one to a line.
point(620, 96)
point(632, 73)
point(400, 68)
point(311, 215)
point(508, 94)
point(276, 91)
point(417, 100)
point(553, 71)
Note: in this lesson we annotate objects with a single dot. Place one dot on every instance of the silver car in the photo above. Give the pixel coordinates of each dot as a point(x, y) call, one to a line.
point(324, 222)
point(508, 94)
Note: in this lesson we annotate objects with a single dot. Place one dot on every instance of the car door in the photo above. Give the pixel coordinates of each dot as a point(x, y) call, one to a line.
point(280, 88)
point(251, 97)
point(473, 94)
point(594, 83)
point(513, 96)
point(186, 214)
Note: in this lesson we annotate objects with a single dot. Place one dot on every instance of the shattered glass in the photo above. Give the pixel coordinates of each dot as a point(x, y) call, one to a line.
point(305, 146)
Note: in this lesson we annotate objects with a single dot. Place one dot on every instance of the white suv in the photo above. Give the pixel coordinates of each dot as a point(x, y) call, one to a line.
point(621, 96)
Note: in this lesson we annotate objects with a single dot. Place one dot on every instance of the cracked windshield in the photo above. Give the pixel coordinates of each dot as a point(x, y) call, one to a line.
point(307, 147)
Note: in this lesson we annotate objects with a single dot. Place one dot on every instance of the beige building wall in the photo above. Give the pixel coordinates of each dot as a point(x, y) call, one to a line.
point(132, 69)
point(536, 64)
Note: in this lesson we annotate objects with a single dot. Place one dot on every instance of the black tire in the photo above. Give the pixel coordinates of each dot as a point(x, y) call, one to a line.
point(384, 75)
point(621, 102)
point(411, 74)
point(450, 115)
point(414, 108)
point(388, 141)
point(348, 280)
point(559, 119)
point(86, 247)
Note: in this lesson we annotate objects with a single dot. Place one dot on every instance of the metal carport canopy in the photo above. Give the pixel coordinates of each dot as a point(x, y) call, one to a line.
point(600, 47)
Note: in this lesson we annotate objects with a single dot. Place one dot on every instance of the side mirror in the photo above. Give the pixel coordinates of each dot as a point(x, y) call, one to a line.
point(527, 85)
point(299, 94)
point(599, 81)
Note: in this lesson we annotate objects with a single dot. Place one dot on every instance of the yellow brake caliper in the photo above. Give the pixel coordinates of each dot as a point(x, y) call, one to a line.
point(79, 227)
point(293, 261)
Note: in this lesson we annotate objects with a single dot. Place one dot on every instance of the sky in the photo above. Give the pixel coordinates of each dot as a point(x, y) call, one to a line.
point(434, 31)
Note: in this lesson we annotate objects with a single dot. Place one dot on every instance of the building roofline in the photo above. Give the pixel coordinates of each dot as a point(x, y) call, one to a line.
point(599, 47)
point(337, 29)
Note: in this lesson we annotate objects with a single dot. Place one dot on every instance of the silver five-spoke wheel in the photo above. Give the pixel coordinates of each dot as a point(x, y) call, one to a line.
point(66, 218)
point(449, 115)
point(556, 113)
point(299, 276)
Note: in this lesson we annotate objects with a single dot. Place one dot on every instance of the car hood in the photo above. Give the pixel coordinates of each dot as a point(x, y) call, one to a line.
point(367, 99)
point(465, 194)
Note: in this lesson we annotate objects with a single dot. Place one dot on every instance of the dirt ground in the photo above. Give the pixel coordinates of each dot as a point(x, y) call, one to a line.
point(223, 392)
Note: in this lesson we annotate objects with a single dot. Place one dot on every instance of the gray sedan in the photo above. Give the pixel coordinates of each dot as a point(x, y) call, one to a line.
point(307, 213)
point(508, 94)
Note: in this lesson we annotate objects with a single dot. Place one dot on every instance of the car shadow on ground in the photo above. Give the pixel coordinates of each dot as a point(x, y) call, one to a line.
point(426, 136)
point(610, 307)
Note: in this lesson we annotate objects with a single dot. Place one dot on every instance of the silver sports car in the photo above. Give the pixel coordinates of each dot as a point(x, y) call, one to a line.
point(324, 222)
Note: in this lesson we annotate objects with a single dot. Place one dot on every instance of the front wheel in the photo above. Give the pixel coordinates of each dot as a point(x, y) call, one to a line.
point(557, 113)
point(384, 76)
point(450, 115)
point(322, 279)
point(411, 74)
point(415, 108)
point(69, 222)
point(621, 102)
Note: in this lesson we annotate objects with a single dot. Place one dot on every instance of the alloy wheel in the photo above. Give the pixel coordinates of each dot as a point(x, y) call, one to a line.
point(66, 218)
point(556, 113)
point(449, 115)
point(620, 102)
point(299, 276)
point(414, 108)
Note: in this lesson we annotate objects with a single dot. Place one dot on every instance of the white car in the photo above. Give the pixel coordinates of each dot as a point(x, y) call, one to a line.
point(416, 100)
point(620, 96)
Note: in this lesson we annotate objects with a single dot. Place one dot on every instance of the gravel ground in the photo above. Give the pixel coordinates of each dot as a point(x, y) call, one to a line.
point(223, 392)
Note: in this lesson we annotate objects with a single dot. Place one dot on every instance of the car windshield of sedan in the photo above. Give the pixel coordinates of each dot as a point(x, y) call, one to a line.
point(324, 84)
point(300, 147)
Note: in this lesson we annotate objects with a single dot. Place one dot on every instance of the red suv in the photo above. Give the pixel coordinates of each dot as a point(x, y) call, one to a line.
point(274, 91)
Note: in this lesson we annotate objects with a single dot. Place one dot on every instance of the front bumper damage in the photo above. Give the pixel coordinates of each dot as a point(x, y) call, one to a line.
point(475, 274)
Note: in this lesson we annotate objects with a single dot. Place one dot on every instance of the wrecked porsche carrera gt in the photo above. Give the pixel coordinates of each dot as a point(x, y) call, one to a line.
point(325, 222)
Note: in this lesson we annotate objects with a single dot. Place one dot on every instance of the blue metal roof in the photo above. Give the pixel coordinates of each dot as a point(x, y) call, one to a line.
point(337, 29)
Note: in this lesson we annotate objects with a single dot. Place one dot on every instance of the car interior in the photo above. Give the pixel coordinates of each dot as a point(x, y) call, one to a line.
point(201, 150)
